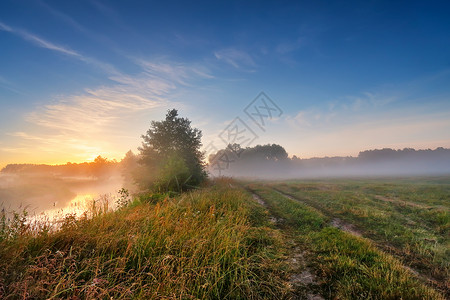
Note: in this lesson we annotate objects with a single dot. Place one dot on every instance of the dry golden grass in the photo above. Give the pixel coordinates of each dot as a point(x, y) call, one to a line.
point(204, 244)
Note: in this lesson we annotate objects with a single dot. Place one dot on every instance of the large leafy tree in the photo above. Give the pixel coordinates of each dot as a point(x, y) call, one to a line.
point(171, 153)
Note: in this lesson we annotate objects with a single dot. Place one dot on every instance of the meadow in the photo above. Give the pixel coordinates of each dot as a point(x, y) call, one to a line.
point(363, 231)
point(310, 239)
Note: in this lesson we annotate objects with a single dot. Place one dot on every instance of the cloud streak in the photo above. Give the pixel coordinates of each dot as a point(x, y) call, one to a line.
point(358, 125)
point(173, 72)
point(290, 46)
point(97, 120)
point(6, 84)
point(107, 120)
point(39, 41)
point(65, 18)
point(42, 43)
point(96, 109)
point(236, 58)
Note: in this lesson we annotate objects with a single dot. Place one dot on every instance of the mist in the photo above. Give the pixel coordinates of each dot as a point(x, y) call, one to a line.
point(49, 189)
point(272, 162)
point(57, 189)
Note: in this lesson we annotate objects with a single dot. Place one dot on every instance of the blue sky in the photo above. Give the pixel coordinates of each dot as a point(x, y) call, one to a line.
point(85, 78)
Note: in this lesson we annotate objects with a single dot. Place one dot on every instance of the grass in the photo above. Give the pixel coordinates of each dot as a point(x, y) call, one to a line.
point(410, 218)
point(219, 243)
point(212, 243)
point(350, 267)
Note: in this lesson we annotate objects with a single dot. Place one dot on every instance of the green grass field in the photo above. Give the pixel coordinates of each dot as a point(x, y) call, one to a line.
point(358, 239)
point(407, 218)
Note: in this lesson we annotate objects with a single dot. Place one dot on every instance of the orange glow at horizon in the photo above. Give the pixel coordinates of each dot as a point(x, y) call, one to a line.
point(62, 159)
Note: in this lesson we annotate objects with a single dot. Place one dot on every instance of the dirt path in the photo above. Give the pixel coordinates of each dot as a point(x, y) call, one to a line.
point(335, 222)
point(347, 227)
point(302, 281)
point(401, 202)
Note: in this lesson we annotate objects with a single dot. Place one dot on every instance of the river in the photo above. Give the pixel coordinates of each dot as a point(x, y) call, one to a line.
point(50, 197)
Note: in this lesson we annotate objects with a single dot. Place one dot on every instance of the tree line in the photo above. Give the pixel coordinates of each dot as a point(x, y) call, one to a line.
point(170, 159)
point(273, 161)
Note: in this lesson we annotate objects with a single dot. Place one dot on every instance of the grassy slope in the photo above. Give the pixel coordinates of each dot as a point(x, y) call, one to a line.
point(212, 243)
point(351, 267)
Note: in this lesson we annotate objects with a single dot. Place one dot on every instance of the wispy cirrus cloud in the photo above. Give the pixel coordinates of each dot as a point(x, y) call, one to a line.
point(100, 119)
point(367, 121)
point(174, 72)
point(342, 110)
point(290, 46)
point(95, 110)
point(6, 84)
point(43, 43)
point(39, 41)
point(64, 17)
point(236, 58)
point(107, 119)
point(369, 100)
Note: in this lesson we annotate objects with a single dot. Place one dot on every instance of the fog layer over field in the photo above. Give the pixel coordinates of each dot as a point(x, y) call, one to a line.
point(39, 188)
point(272, 162)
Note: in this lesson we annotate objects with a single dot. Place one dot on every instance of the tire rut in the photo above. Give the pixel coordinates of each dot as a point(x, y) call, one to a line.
point(335, 222)
point(302, 282)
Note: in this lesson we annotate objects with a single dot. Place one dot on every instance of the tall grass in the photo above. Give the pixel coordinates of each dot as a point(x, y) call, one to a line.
point(208, 243)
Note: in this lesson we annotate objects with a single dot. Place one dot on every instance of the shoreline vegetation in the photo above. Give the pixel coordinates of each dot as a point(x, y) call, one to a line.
point(208, 243)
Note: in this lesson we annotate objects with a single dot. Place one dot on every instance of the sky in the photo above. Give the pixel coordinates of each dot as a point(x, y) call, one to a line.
point(85, 78)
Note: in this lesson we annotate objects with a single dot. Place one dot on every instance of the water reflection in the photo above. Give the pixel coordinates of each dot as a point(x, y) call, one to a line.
point(49, 198)
point(77, 206)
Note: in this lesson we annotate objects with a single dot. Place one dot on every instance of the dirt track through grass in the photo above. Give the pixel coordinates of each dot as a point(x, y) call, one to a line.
point(348, 266)
point(350, 228)
point(413, 226)
point(336, 222)
point(303, 283)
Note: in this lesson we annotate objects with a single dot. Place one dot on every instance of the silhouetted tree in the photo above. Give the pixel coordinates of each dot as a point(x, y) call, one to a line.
point(171, 151)
point(101, 167)
point(267, 152)
point(250, 161)
point(129, 168)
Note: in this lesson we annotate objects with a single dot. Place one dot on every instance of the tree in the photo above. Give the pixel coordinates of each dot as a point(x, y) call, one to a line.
point(101, 167)
point(257, 161)
point(129, 169)
point(173, 174)
point(171, 152)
